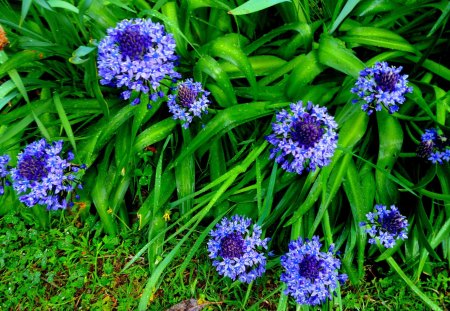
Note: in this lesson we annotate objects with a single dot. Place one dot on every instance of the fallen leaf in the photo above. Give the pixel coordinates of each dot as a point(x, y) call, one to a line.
point(187, 305)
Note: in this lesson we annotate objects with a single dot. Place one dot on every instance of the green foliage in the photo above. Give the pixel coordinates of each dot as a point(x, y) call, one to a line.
point(144, 167)
point(69, 266)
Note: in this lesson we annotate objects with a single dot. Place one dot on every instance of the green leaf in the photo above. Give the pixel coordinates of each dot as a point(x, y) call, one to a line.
point(25, 8)
point(252, 6)
point(154, 133)
point(349, 6)
point(432, 66)
point(150, 287)
point(167, 187)
point(441, 20)
point(305, 71)
point(100, 197)
point(64, 120)
point(79, 53)
point(379, 37)
point(261, 65)
point(63, 5)
point(391, 141)
point(268, 200)
point(333, 53)
point(304, 29)
point(412, 286)
point(15, 77)
point(223, 122)
point(211, 67)
point(20, 59)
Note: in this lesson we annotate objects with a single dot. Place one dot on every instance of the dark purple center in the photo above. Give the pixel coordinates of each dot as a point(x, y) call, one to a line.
point(386, 81)
point(392, 223)
point(310, 267)
point(186, 96)
point(425, 149)
point(131, 42)
point(32, 168)
point(232, 246)
point(307, 131)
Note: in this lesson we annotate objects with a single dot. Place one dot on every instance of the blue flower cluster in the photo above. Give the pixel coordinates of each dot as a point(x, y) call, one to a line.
point(386, 225)
point(189, 101)
point(4, 171)
point(434, 147)
point(137, 55)
point(310, 275)
point(380, 86)
point(42, 176)
point(237, 251)
point(304, 138)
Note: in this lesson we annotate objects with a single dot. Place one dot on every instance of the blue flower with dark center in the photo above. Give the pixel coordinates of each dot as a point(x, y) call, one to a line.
point(311, 276)
point(137, 56)
point(237, 251)
point(4, 172)
point(304, 138)
point(189, 101)
point(43, 177)
point(386, 225)
point(381, 86)
point(434, 147)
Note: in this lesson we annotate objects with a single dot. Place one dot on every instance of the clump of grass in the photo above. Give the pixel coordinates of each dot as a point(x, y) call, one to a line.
point(69, 266)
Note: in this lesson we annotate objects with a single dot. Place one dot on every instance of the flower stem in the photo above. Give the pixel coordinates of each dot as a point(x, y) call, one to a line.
point(42, 216)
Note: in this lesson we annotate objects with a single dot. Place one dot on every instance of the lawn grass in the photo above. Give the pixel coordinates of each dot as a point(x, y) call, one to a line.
point(71, 267)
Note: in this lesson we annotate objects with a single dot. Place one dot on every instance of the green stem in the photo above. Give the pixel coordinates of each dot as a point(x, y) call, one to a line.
point(42, 216)
point(327, 228)
point(185, 175)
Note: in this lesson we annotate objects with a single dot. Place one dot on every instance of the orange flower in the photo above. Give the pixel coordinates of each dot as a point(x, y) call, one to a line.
point(3, 39)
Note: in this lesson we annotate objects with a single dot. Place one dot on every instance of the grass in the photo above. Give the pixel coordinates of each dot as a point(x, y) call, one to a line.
point(72, 267)
point(68, 266)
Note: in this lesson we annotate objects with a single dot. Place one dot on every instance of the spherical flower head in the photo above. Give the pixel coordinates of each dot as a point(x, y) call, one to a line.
point(42, 176)
point(3, 39)
point(310, 275)
point(386, 225)
point(380, 86)
point(4, 171)
point(304, 138)
point(137, 55)
point(190, 101)
point(237, 251)
point(434, 147)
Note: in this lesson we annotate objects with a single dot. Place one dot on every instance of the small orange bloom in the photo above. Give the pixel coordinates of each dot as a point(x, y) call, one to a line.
point(3, 39)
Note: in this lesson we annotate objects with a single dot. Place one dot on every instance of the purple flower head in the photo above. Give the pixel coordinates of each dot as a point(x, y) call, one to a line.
point(4, 171)
point(304, 138)
point(237, 251)
point(310, 275)
point(434, 147)
point(387, 225)
point(42, 176)
point(381, 86)
point(189, 101)
point(136, 56)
